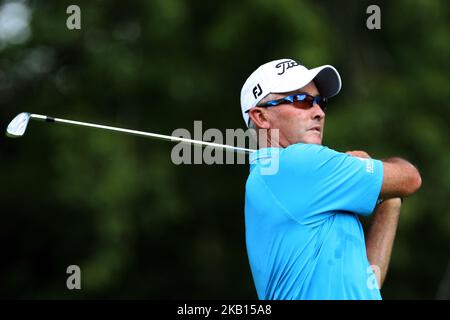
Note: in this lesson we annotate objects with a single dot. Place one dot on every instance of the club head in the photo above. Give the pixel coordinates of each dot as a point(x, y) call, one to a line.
point(18, 125)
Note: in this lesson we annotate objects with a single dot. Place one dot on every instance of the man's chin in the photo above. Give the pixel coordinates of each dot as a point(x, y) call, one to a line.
point(311, 141)
point(313, 138)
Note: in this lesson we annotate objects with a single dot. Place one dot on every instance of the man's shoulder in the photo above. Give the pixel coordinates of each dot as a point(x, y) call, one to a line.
point(307, 152)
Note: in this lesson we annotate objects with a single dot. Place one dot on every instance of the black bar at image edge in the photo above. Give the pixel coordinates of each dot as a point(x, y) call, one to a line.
point(220, 309)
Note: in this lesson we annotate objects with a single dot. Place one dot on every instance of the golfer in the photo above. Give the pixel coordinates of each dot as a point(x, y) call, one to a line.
point(303, 234)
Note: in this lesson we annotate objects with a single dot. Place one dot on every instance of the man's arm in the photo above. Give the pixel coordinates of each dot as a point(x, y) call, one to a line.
point(381, 235)
point(400, 179)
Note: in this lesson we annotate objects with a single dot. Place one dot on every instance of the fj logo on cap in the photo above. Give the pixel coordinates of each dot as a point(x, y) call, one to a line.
point(257, 91)
point(284, 65)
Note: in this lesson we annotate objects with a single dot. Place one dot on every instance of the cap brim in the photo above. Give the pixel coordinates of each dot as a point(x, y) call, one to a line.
point(327, 80)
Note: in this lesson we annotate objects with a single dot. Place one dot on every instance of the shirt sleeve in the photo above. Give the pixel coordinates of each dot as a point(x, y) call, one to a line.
point(315, 180)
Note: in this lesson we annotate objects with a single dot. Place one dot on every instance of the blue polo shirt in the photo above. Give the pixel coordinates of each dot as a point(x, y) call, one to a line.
point(304, 239)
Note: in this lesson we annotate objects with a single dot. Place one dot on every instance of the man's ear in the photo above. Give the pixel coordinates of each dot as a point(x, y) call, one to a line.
point(259, 117)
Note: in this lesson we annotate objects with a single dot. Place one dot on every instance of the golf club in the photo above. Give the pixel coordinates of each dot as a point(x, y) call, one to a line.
point(18, 125)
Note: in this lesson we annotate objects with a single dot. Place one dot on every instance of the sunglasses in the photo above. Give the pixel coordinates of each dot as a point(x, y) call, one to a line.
point(299, 100)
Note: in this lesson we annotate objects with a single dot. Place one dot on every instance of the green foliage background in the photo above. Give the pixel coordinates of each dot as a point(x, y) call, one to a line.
point(142, 227)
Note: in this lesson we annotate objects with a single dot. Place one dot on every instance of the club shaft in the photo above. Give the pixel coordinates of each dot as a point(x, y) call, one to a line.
point(140, 133)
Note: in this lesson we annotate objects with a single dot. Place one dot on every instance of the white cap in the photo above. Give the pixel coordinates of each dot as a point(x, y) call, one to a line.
point(286, 75)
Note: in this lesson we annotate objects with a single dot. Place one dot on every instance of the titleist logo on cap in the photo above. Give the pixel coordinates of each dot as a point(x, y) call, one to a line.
point(284, 65)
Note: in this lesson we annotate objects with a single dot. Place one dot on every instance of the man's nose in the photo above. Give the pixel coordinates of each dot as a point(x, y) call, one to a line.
point(317, 111)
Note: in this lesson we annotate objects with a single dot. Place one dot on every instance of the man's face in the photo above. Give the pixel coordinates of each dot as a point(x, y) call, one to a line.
point(295, 124)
